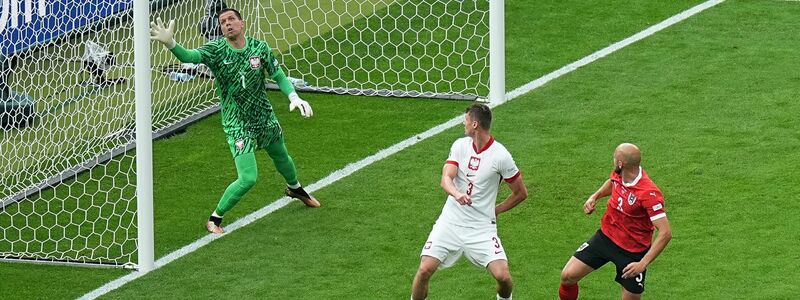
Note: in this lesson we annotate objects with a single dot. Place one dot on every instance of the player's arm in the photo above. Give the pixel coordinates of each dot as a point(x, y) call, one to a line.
point(275, 72)
point(448, 184)
point(283, 81)
point(662, 239)
point(166, 36)
point(187, 55)
point(519, 192)
point(603, 191)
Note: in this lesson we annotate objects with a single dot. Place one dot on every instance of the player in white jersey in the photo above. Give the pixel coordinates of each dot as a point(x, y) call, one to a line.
point(471, 176)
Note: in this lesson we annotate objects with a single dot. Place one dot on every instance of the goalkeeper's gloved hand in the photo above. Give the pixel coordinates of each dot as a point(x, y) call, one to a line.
point(165, 35)
point(296, 102)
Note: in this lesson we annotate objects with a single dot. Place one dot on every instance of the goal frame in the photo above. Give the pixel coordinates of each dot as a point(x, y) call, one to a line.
point(144, 134)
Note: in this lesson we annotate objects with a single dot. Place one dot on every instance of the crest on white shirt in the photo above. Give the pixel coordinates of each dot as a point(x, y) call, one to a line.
point(474, 163)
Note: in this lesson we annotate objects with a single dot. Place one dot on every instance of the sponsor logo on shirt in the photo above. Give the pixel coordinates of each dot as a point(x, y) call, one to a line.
point(657, 207)
point(255, 62)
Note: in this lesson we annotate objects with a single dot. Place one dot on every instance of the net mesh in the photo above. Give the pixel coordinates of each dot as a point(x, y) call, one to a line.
point(67, 170)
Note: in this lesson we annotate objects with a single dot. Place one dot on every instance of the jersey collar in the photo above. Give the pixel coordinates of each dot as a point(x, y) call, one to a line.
point(635, 180)
point(488, 144)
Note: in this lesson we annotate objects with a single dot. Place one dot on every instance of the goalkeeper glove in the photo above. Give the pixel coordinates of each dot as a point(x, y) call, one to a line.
point(296, 102)
point(165, 35)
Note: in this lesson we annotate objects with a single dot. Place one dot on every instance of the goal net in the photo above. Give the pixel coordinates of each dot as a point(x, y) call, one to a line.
point(67, 168)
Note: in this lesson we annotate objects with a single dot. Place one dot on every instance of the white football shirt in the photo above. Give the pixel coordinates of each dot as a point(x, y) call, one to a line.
point(479, 175)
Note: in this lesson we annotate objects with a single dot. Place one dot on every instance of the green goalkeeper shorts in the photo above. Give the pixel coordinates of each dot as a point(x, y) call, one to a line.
point(245, 141)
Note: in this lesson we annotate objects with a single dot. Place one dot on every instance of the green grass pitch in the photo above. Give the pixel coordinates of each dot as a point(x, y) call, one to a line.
point(711, 101)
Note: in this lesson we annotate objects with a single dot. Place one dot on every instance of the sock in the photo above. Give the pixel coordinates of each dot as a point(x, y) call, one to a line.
point(568, 292)
point(283, 162)
point(247, 171)
point(501, 298)
point(294, 186)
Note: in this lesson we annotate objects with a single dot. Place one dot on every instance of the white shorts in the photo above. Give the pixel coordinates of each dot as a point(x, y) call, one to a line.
point(448, 242)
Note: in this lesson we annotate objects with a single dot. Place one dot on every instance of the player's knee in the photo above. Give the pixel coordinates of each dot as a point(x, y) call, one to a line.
point(247, 180)
point(278, 155)
point(568, 277)
point(425, 272)
point(504, 278)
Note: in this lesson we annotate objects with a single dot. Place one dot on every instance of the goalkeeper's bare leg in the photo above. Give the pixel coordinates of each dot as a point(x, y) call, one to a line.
point(285, 165)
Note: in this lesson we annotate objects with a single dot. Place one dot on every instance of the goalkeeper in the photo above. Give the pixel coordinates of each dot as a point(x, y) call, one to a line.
point(240, 65)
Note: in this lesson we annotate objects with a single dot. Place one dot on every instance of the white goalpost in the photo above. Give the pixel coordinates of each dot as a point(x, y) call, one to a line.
point(144, 137)
point(84, 93)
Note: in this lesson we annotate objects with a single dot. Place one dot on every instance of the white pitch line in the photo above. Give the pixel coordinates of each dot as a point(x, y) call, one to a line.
point(353, 167)
point(610, 49)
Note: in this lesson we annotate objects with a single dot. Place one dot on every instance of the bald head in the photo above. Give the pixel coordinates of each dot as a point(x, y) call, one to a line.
point(629, 155)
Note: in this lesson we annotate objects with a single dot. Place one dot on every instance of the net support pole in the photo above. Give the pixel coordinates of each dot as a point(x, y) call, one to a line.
point(497, 55)
point(144, 135)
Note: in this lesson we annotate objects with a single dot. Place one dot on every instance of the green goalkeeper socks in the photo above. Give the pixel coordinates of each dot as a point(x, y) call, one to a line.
point(283, 162)
point(248, 171)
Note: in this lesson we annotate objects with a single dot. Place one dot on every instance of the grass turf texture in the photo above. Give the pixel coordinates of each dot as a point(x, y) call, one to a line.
point(710, 101)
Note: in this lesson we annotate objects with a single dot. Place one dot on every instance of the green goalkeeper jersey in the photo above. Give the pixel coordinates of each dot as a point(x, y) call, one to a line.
point(240, 76)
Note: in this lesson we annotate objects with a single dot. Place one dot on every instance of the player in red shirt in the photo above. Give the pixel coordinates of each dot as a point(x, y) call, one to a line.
point(635, 209)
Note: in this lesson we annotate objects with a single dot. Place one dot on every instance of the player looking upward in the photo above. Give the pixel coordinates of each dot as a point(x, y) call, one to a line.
point(241, 65)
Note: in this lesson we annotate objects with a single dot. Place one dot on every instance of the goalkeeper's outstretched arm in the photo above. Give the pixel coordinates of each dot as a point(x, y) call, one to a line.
point(166, 36)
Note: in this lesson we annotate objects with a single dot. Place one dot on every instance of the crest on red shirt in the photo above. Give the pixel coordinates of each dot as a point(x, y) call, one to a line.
point(474, 163)
point(631, 198)
point(255, 62)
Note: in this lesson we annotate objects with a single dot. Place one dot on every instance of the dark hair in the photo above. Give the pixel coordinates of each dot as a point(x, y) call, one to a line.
point(236, 12)
point(481, 113)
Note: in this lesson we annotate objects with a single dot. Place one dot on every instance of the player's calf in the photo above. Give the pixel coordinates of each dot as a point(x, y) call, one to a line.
point(500, 272)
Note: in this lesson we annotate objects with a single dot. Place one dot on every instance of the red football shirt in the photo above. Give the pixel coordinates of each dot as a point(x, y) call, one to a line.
point(631, 210)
